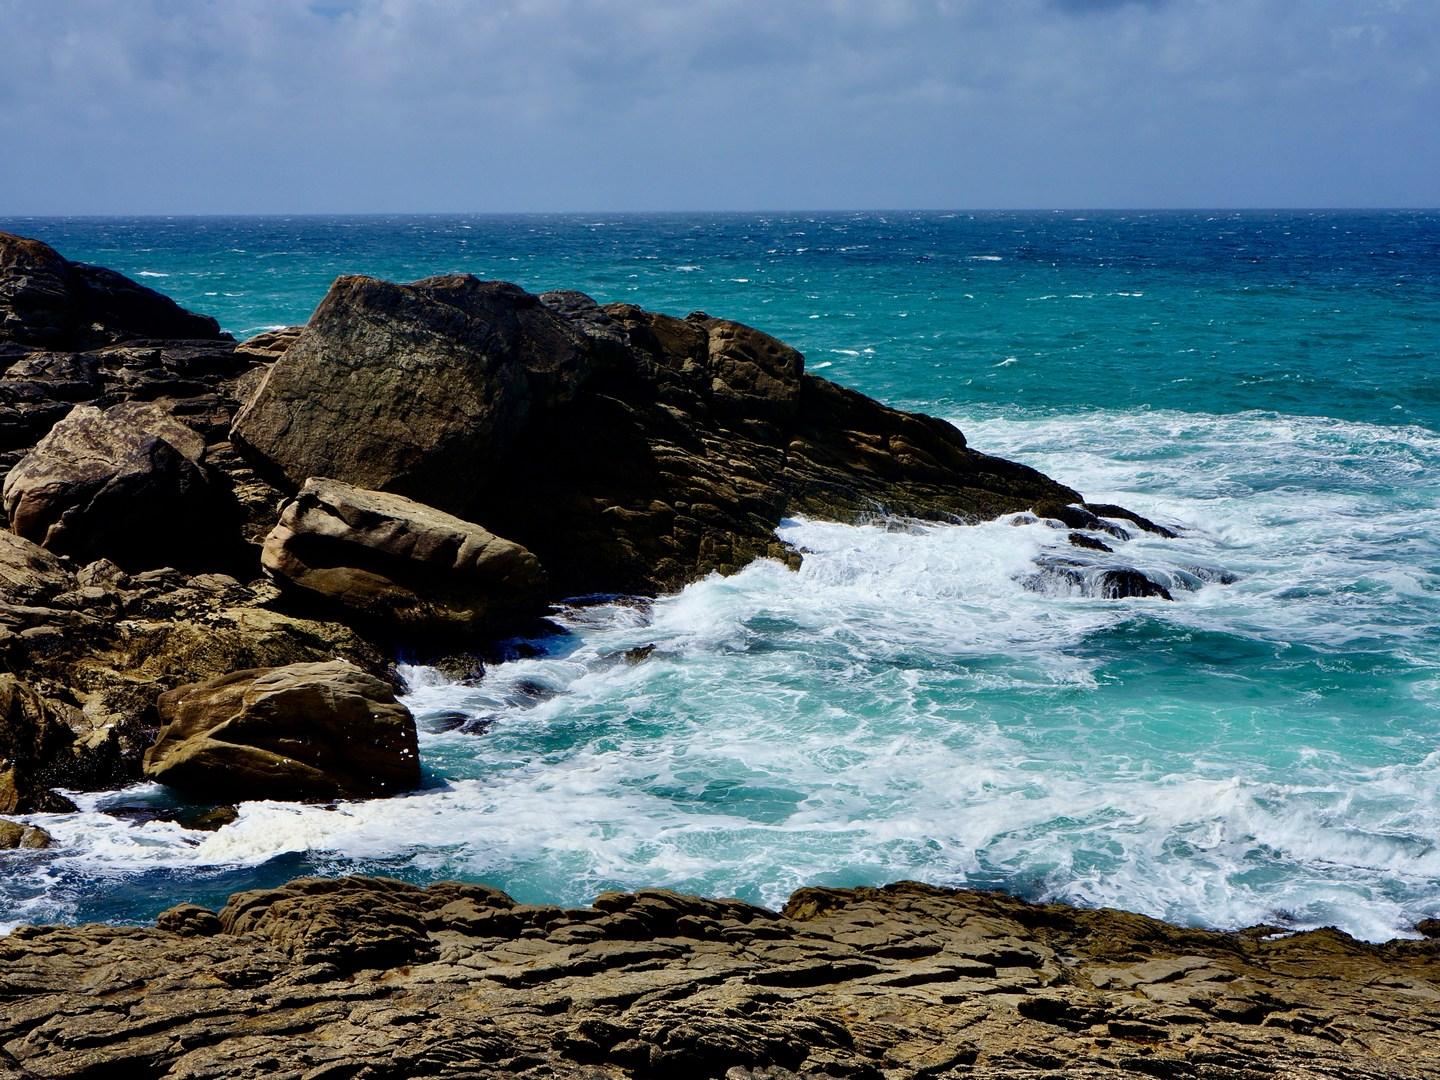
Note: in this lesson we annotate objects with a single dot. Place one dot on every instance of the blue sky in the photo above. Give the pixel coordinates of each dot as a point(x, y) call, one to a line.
point(253, 106)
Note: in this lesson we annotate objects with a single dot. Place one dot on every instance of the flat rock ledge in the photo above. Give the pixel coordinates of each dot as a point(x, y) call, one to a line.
point(368, 977)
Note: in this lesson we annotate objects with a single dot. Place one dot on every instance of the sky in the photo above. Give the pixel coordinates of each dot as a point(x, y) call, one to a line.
point(353, 106)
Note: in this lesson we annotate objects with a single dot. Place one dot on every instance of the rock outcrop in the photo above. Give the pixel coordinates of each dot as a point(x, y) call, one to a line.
point(304, 731)
point(630, 451)
point(411, 570)
point(49, 302)
point(370, 977)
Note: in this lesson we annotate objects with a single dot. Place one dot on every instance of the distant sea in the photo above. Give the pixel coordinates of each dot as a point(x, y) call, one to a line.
point(907, 706)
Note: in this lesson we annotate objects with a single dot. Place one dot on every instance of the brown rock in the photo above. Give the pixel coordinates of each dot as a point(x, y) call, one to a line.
point(415, 389)
point(406, 565)
point(36, 743)
point(358, 977)
point(304, 731)
point(15, 835)
point(124, 484)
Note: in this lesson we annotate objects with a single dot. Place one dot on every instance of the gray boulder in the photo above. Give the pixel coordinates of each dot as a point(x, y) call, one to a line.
point(400, 562)
point(303, 731)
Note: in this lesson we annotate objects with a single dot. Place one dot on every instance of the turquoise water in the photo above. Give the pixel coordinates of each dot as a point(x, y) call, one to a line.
point(913, 703)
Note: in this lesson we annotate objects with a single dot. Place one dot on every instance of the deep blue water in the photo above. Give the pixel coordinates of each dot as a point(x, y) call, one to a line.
point(1265, 750)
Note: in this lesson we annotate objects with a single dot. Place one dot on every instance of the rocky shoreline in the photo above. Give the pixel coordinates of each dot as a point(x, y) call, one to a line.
point(367, 977)
point(214, 552)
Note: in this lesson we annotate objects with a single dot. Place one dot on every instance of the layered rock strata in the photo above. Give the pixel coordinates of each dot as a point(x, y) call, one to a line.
point(372, 978)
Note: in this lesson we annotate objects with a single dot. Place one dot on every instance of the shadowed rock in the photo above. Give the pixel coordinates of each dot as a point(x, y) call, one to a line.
point(304, 731)
point(47, 301)
point(125, 484)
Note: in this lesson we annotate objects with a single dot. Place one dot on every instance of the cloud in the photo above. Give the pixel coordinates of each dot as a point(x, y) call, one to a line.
point(339, 105)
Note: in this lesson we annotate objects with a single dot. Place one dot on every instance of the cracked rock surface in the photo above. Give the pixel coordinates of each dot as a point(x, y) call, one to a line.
point(365, 977)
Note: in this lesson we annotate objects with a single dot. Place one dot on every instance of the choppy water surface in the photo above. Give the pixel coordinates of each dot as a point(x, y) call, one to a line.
point(905, 706)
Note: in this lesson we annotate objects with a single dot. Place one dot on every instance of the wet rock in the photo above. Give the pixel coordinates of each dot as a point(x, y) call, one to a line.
point(304, 731)
point(411, 568)
point(14, 835)
point(1110, 510)
point(1088, 542)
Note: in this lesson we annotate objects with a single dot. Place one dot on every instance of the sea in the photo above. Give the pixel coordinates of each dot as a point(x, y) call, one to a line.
point(1263, 749)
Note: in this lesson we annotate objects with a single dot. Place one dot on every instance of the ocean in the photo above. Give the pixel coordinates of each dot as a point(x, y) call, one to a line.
point(911, 703)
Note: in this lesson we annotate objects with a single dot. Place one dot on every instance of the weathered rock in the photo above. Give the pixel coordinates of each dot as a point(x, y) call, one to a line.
point(630, 451)
point(125, 484)
point(28, 573)
point(752, 375)
point(36, 745)
point(403, 564)
point(270, 344)
point(50, 302)
point(371, 977)
point(14, 835)
point(415, 389)
point(302, 731)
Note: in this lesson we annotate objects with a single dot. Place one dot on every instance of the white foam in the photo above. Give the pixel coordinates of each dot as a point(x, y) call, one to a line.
point(904, 707)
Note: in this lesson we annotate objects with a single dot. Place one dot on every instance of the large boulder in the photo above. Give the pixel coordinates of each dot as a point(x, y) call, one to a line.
point(47, 301)
point(414, 389)
point(303, 731)
point(399, 562)
point(126, 483)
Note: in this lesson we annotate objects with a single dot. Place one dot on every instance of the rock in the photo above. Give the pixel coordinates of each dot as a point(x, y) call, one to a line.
point(270, 344)
point(303, 731)
point(405, 565)
point(374, 977)
point(28, 573)
point(1112, 511)
point(15, 835)
point(124, 484)
point(36, 744)
point(751, 373)
point(1088, 542)
point(414, 389)
point(630, 451)
point(50, 302)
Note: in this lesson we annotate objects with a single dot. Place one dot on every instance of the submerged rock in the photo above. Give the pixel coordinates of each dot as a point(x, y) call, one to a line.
point(407, 566)
point(304, 731)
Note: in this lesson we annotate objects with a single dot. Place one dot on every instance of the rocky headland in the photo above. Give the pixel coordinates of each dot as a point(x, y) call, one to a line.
point(215, 550)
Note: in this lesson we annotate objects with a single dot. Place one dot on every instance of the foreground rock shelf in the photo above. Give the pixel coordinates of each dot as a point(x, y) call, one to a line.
point(365, 977)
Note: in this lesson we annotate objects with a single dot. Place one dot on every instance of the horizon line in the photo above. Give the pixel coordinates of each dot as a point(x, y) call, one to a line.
point(722, 213)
